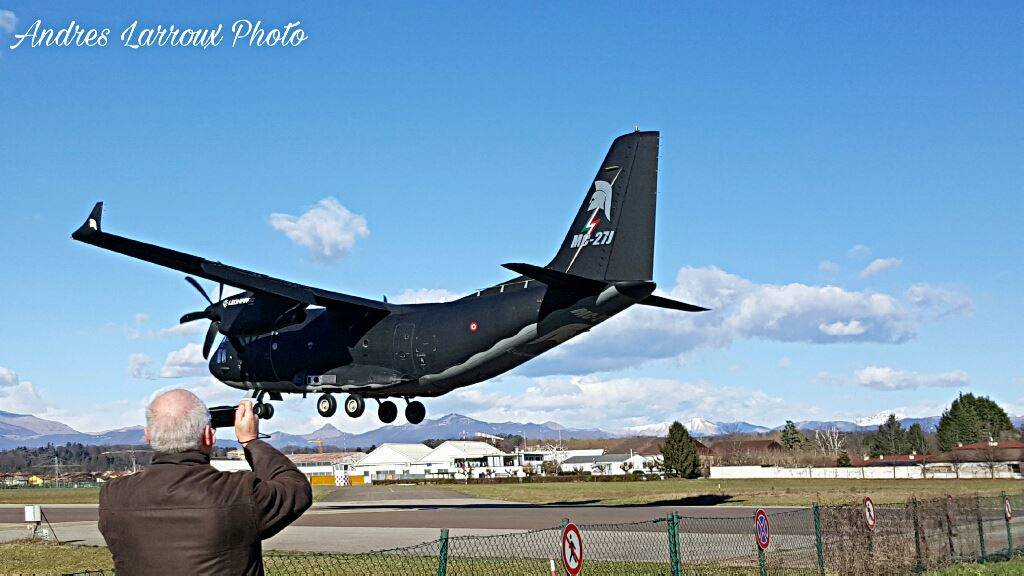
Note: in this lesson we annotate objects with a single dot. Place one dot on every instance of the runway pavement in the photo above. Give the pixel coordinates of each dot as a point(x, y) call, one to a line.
point(362, 518)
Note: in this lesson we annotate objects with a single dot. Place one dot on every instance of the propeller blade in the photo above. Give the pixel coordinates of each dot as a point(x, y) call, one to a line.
point(196, 285)
point(193, 316)
point(211, 333)
point(220, 292)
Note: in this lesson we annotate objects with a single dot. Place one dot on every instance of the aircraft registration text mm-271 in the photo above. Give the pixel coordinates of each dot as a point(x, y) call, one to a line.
point(286, 338)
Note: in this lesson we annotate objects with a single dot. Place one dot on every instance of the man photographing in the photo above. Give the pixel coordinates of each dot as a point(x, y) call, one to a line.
point(182, 516)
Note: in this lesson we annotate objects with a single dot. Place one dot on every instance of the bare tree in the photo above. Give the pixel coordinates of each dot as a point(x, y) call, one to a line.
point(830, 441)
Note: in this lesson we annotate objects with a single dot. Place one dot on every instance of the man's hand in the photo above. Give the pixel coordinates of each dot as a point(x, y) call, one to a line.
point(247, 425)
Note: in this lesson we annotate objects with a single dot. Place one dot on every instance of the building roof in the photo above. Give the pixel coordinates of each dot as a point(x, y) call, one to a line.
point(396, 453)
point(894, 460)
point(326, 457)
point(602, 459)
point(471, 448)
point(1001, 445)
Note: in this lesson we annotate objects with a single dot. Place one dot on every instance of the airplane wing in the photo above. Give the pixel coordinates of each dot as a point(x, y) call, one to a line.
point(91, 232)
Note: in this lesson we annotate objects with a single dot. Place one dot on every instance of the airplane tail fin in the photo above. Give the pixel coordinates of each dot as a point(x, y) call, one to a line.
point(612, 237)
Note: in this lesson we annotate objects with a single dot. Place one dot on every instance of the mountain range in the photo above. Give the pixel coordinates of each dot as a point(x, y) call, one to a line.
point(27, 430)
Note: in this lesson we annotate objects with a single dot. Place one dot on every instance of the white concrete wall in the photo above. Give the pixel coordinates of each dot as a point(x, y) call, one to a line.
point(972, 470)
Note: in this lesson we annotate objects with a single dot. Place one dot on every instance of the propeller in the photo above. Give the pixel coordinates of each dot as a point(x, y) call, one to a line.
point(211, 312)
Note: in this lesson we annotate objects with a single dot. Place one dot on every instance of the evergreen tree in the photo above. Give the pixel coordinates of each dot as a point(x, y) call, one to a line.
point(679, 453)
point(916, 440)
point(844, 460)
point(792, 438)
point(890, 438)
point(971, 419)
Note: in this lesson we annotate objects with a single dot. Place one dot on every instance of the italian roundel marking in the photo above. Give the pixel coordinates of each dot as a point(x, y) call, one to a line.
point(1007, 508)
point(762, 529)
point(869, 513)
point(473, 326)
point(572, 549)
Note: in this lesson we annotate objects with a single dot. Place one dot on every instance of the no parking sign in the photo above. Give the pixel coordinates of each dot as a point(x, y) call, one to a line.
point(572, 549)
point(762, 529)
point(869, 513)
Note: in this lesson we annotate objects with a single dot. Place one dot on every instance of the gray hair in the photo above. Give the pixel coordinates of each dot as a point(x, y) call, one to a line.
point(176, 420)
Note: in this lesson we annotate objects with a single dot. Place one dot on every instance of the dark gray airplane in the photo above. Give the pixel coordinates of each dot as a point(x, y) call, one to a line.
point(286, 338)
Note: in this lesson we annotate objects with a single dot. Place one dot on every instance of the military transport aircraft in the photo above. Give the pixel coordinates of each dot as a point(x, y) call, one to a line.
point(281, 337)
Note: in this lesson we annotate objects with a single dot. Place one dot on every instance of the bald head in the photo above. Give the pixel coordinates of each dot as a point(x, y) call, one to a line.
point(177, 421)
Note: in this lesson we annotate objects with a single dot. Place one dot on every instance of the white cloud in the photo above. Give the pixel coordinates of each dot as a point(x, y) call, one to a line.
point(426, 295)
point(186, 361)
point(851, 328)
point(328, 229)
point(785, 362)
point(828, 266)
point(7, 377)
point(859, 251)
point(610, 403)
point(187, 329)
point(885, 378)
point(140, 366)
point(879, 265)
point(937, 302)
point(8, 21)
point(740, 309)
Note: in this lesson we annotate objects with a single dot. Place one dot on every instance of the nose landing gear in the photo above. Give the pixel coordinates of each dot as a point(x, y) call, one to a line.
point(263, 410)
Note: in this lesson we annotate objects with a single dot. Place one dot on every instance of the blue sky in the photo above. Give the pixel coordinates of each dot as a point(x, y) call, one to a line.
point(842, 183)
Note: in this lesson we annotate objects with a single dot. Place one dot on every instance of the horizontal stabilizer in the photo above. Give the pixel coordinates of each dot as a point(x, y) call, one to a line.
point(660, 302)
point(554, 277)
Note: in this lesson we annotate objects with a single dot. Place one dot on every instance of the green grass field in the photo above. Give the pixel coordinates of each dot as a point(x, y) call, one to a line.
point(736, 492)
point(1013, 567)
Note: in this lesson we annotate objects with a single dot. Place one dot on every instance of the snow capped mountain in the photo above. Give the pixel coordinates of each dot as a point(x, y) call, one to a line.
point(700, 427)
point(697, 427)
point(879, 418)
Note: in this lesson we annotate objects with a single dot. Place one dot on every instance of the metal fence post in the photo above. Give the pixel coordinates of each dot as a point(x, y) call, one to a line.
point(442, 555)
point(673, 544)
point(917, 535)
point(981, 529)
point(1009, 531)
point(817, 539)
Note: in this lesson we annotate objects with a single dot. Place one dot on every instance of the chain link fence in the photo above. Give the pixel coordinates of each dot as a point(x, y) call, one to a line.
point(915, 536)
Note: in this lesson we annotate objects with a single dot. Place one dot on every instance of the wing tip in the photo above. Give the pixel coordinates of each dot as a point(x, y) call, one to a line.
point(92, 224)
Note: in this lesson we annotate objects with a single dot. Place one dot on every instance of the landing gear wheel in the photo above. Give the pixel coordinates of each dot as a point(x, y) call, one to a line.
point(387, 412)
point(263, 410)
point(326, 405)
point(354, 405)
point(415, 412)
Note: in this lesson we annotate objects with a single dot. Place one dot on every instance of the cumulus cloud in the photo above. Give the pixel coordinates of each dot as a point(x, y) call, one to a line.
point(140, 366)
point(328, 230)
point(936, 302)
point(740, 309)
point(879, 265)
point(888, 379)
point(610, 403)
point(8, 377)
point(19, 396)
point(828, 266)
point(186, 361)
point(426, 296)
point(859, 251)
point(8, 21)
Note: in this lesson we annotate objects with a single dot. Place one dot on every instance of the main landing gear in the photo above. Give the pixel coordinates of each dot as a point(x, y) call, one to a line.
point(263, 410)
point(355, 405)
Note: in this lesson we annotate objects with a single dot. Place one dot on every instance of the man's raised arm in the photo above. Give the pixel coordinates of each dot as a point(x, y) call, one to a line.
point(281, 493)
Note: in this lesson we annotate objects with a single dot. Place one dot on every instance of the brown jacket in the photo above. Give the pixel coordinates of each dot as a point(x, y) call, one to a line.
point(181, 516)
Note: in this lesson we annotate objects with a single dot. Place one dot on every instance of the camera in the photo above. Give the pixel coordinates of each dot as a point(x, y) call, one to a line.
point(222, 416)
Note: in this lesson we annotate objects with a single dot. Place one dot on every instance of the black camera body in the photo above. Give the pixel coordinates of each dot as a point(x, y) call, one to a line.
point(222, 416)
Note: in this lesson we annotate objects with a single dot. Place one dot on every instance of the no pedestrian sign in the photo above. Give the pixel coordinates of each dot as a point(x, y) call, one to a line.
point(572, 549)
point(762, 529)
point(869, 513)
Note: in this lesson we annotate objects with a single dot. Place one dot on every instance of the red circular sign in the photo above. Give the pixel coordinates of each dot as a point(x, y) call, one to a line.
point(572, 549)
point(473, 326)
point(1007, 508)
point(762, 529)
point(869, 513)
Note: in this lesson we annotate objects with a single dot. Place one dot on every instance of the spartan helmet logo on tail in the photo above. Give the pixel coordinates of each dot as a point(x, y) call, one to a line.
point(601, 199)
